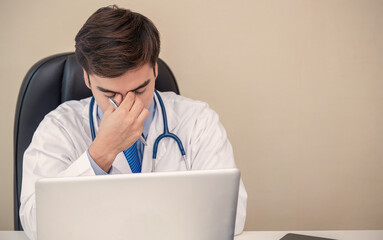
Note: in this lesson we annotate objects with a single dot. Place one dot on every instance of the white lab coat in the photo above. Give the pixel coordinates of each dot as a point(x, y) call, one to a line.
point(59, 145)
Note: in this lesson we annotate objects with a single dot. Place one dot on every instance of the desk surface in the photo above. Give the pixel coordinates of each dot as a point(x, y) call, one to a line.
point(341, 235)
point(261, 235)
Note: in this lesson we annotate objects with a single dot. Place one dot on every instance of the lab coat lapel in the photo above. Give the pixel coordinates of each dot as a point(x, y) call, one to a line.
point(86, 125)
point(155, 130)
point(148, 150)
point(86, 118)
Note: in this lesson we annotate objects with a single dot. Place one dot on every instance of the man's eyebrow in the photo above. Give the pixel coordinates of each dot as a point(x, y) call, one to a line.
point(105, 90)
point(110, 91)
point(141, 86)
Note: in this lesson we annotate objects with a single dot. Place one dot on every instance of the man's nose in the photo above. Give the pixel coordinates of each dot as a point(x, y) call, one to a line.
point(118, 98)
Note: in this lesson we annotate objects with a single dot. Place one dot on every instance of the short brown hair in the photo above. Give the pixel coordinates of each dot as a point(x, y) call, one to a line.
point(114, 40)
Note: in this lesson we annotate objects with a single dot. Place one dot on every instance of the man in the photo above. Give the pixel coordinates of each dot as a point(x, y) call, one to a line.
point(118, 50)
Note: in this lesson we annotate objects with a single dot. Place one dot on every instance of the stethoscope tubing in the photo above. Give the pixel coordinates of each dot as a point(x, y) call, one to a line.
point(166, 132)
point(91, 122)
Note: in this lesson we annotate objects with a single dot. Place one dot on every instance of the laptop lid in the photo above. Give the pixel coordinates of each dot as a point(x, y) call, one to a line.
point(174, 205)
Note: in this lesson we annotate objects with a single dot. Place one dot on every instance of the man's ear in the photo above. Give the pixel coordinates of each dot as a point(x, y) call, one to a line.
point(86, 78)
point(155, 71)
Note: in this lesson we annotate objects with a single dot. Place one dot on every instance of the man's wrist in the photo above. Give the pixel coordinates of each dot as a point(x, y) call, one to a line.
point(103, 158)
point(96, 169)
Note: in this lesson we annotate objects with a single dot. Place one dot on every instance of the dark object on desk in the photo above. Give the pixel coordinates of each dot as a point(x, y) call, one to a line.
point(50, 82)
point(293, 236)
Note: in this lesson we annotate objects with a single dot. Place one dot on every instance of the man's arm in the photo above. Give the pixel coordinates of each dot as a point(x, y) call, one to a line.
point(52, 153)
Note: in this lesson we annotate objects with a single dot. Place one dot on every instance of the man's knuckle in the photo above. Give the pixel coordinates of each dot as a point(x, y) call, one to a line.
point(129, 120)
point(123, 111)
point(140, 105)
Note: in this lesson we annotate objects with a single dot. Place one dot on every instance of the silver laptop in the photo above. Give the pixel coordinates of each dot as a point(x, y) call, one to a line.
point(194, 205)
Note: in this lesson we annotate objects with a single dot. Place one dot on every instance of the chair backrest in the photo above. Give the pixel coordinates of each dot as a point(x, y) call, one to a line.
point(50, 82)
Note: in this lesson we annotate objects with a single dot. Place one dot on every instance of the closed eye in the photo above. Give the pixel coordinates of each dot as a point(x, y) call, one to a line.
point(110, 95)
point(139, 92)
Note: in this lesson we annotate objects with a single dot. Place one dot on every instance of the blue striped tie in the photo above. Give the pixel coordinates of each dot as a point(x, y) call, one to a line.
point(131, 155)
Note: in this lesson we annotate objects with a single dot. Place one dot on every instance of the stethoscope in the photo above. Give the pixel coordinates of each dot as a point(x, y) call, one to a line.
point(165, 134)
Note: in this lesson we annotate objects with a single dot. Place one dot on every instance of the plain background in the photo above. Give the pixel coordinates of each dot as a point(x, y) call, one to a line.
point(297, 84)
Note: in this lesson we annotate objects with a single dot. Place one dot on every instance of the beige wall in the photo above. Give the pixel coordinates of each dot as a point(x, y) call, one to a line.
point(298, 86)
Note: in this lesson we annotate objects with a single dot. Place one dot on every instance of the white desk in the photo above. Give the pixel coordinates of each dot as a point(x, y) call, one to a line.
point(340, 235)
point(261, 235)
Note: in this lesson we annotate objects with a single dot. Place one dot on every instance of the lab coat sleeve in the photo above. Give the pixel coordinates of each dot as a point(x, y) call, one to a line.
point(211, 149)
point(52, 153)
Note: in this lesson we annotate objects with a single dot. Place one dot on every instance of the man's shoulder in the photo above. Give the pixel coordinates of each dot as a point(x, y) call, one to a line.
point(187, 108)
point(70, 110)
point(71, 114)
point(171, 98)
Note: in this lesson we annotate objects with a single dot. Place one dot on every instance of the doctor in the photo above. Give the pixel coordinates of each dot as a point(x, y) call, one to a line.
point(118, 50)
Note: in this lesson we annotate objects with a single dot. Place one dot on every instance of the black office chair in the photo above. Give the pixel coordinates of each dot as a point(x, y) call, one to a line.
point(50, 82)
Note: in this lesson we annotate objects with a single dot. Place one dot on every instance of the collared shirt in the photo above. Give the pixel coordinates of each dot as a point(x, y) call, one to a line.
point(140, 146)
